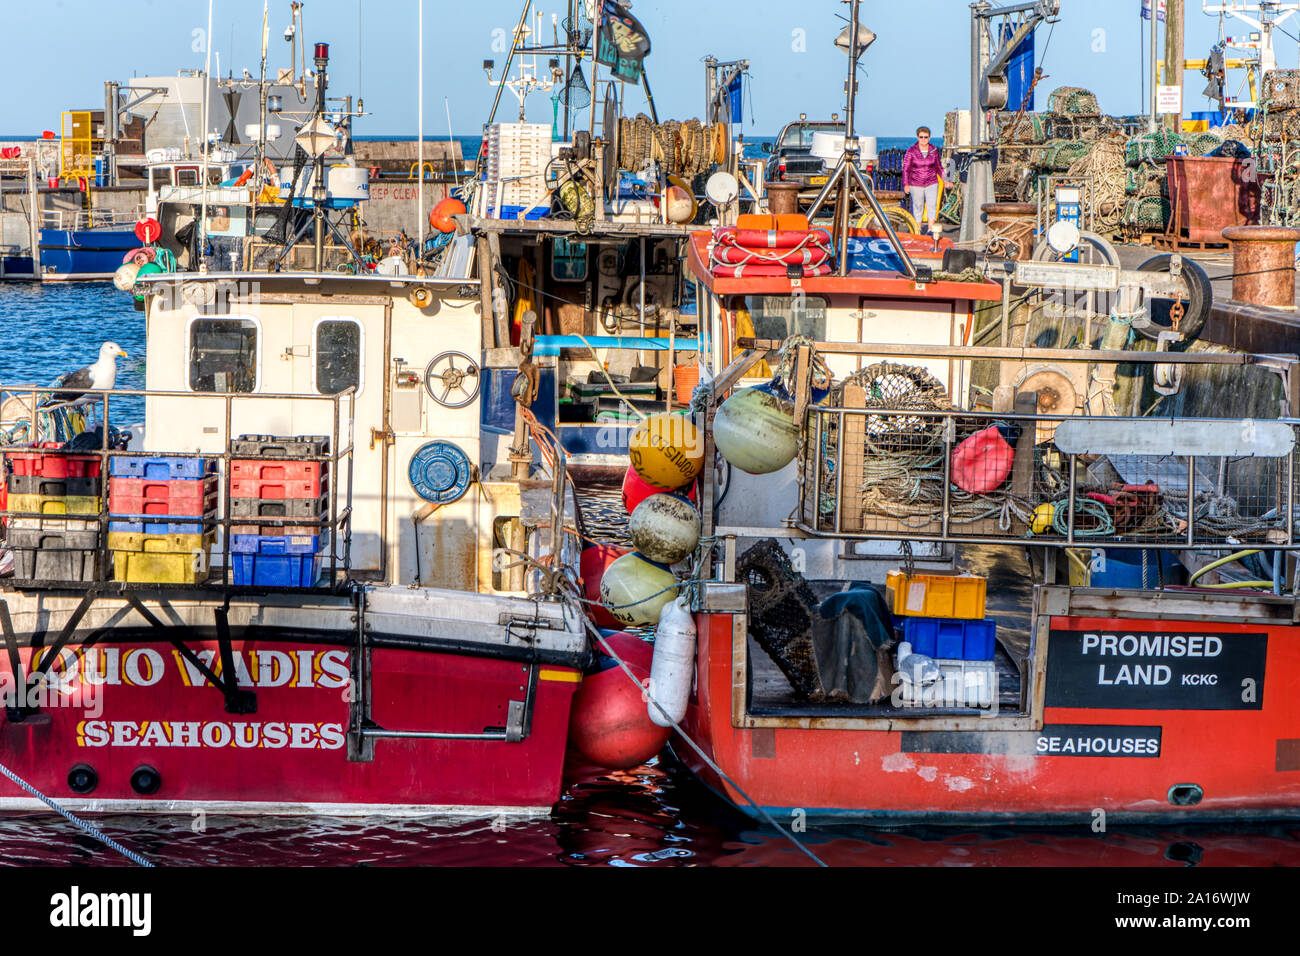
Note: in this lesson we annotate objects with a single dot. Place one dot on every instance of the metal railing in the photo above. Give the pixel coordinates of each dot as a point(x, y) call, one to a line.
point(961, 476)
point(44, 436)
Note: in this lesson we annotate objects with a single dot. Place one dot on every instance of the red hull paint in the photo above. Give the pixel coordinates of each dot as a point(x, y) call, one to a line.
point(1246, 761)
point(293, 749)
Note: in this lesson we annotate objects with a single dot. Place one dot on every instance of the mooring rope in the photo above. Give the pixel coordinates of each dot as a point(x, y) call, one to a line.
point(94, 831)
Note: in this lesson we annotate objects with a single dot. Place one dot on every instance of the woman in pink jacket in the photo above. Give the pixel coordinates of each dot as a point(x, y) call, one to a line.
point(922, 174)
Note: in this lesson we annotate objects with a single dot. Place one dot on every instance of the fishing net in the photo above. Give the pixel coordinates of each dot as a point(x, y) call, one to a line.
point(1062, 154)
point(1102, 166)
point(950, 208)
point(1148, 212)
point(1073, 101)
point(1020, 127)
point(1154, 147)
point(1202, 144)
point(1280, 90)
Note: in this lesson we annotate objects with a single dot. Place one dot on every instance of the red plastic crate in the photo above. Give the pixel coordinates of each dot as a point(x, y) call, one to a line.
point(277, 489)
point(277, 470)
point(53, 464)
point(173, 497)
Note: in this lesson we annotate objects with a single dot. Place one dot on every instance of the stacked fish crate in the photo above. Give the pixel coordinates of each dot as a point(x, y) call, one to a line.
point(64, 490)
point(515, 183)
point(942, 618)
point(162, 518)
point(275, 479)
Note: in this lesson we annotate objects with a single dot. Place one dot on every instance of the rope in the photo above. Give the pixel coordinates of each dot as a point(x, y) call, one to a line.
point(98, 834)
point(712, 764)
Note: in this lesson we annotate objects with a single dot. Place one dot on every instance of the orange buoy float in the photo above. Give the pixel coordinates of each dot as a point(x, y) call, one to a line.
point(608, 722)
point(636, 490)
point(591, 568)
point(629, 647)
point(440, 215)
point(666, 449)
point(982, 462)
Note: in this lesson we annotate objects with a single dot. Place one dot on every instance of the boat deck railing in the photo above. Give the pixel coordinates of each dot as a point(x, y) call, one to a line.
point(1016, 478)
point(47, 431)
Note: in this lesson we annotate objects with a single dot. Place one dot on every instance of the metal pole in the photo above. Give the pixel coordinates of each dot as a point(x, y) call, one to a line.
point(203, 139)
point(419, 150)
point(1174, 54)
point(1151, 120)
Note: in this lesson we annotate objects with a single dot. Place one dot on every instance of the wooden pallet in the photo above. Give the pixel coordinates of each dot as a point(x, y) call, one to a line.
point(1174, 244)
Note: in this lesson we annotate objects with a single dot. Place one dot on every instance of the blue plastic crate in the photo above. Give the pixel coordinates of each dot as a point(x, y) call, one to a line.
point(274, 570)
point(268, 544)
point(159, 527)
point(159, 467)
point(951, 638)
point(513, 212)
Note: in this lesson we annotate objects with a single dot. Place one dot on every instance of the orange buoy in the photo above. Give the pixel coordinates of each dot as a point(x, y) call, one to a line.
point(636, 490)
point(440, 215)
point(591, 568)
point(608, 723)
point(636, 652)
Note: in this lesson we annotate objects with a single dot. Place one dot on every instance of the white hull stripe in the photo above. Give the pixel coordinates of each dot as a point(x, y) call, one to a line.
point(273, 808)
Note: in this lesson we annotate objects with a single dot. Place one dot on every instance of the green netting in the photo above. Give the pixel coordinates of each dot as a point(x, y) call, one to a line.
point(1149, 212)
point(1073, 101)
point(1021, 128)
point(1061, 154)
point(1151, 147)
point(1199, 144)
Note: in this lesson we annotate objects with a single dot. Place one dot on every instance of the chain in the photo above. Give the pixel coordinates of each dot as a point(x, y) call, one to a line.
point(909, 563)
point(1176, 313)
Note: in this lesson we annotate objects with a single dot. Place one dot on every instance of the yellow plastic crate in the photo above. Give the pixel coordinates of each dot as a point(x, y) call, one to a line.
point(154, 567)
point(160, 543)
point(54, 504)
point(936, 595)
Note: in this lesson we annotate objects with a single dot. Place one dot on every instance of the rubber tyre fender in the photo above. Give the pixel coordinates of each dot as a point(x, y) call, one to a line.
point(1200, 299)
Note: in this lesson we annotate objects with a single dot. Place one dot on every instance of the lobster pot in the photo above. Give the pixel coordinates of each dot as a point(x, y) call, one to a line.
point(1281, 90)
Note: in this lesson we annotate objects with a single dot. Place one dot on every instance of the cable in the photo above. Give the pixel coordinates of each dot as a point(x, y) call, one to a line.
point(1221, 562)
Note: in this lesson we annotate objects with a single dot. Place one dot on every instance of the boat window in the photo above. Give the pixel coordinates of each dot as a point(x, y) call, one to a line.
point(781, 316)
point(161, 177)
point(187, 177)
point(214, 176)
point(338, 355)
point(223, 355)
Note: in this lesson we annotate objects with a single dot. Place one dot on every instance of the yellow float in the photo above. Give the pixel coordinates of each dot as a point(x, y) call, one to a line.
point(667, 450)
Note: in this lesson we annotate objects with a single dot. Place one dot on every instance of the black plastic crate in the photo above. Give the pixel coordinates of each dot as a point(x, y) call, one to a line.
point(47, 565)
point(54, 487)
point(280, 446)
point(53, 540)
point(279, 507)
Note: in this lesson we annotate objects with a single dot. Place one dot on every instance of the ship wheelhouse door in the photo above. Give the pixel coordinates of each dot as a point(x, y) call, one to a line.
point(334, 348)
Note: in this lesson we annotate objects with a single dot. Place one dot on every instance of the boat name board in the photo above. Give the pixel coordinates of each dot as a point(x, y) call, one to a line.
point(1120, 669)
point(1054, 740)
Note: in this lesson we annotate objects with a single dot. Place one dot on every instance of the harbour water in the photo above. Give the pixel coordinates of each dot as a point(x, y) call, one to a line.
point(655, 815)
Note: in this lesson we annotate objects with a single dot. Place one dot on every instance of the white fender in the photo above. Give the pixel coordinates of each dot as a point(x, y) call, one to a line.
point(673, 665)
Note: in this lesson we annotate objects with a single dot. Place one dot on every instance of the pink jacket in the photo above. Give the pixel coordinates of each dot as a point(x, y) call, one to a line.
point(921, 170)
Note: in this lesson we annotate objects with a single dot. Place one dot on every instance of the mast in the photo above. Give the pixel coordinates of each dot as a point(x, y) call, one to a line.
point(203, 140)
point(1174, 55)
point(419, 149)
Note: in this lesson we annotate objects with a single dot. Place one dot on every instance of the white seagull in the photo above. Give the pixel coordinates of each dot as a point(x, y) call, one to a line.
point(103, 374)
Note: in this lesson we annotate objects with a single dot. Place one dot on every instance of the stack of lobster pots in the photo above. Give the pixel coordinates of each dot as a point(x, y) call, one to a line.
point(162, 518)
point(54, 500)
point(771, 245)
point(278, 478)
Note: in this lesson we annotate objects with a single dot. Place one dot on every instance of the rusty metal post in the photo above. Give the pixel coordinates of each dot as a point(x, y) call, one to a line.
point(1263, 264)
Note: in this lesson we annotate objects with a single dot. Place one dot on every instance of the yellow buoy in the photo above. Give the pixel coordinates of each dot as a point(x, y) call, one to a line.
point(755, 431)
point(634, 590)
point(667, 450)
point(1043, 515)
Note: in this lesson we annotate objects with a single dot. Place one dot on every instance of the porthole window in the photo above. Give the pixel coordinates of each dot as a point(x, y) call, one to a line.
point(338, 355)
point(223, 355)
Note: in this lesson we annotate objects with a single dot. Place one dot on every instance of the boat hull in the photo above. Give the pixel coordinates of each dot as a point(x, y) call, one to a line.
point(313, 725)
point(71, 255)
point(1225, 746)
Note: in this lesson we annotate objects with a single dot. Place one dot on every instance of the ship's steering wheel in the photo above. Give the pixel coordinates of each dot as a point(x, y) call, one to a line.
point(452, 379)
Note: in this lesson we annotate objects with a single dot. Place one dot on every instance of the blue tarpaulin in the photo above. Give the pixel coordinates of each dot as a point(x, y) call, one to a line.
point(735, 98)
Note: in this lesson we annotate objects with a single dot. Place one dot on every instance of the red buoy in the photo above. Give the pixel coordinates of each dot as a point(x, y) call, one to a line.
point(636, 490)
point(147, 230)
point(591, 567)
point(609, 725)
point(982, 462)
point(440, 215)
point(629, 647)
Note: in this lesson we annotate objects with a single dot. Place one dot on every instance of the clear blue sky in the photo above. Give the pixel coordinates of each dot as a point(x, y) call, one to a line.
point(56, 55)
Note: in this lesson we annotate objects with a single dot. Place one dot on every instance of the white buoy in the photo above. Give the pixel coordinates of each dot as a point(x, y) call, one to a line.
point(673, 666)
point(755, 431)
point(635, 590)
point(665, 528)
point(124, 277)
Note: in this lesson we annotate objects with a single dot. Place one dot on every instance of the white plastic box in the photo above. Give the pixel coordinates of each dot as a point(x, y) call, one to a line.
point(963, 684)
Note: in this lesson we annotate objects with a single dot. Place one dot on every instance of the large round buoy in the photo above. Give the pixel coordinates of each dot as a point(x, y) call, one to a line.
point(592, 564)
point(636, 490)
point(982, 462)
point(673, 664)
point(679, 204)
point(149, 268)
point(666, 450)
point(635, 590)
point(755, 431)
point(440, 215)
point(124, 277)
point(629, 647)
point(608, 723)
point(664, 528)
